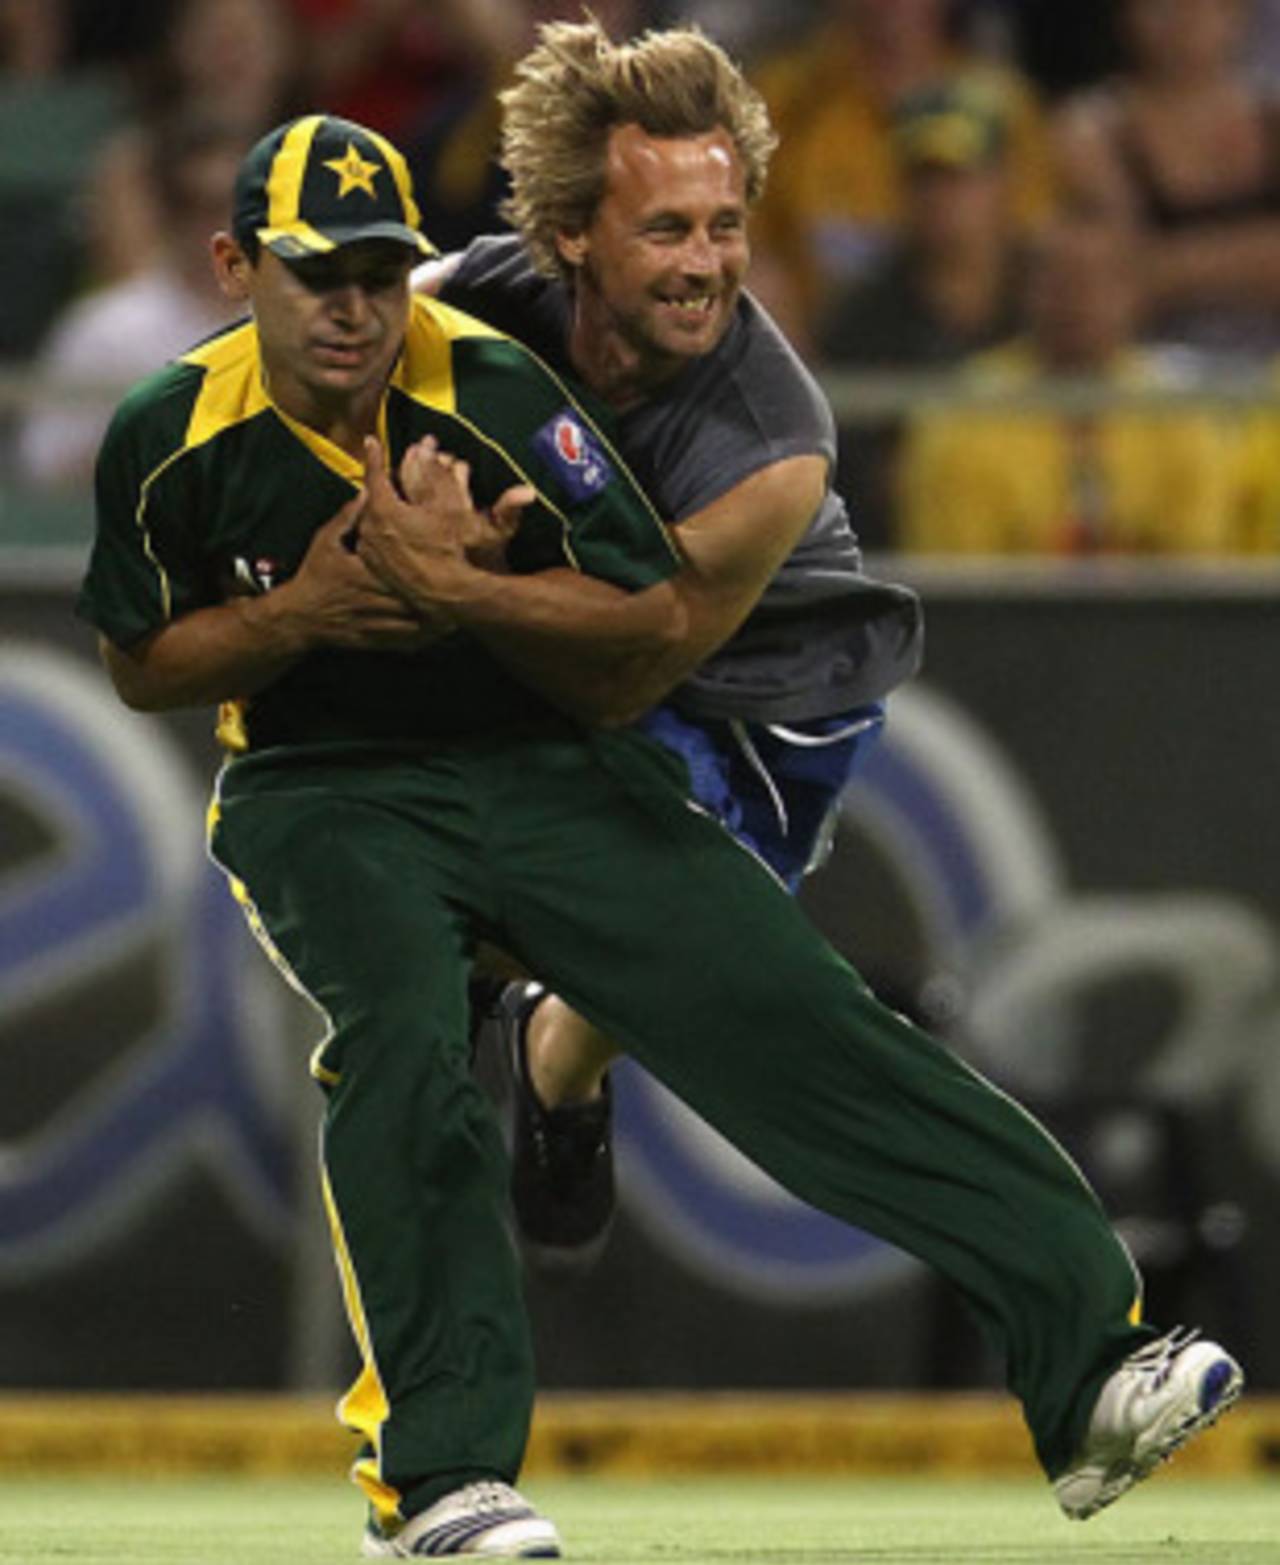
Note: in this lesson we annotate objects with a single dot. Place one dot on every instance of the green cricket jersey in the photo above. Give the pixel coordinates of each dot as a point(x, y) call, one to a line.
point(205, 489)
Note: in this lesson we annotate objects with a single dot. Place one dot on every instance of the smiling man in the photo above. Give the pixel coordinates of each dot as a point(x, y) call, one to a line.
point(659, 268)
point(634, 170)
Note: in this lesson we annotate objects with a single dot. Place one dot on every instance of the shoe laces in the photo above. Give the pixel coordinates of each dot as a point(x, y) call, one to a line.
point(1154, 1363)
point(568, 1140)
point(488, 1495)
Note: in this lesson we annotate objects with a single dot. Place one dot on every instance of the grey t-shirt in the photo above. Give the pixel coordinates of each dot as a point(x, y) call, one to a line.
point(824, 637)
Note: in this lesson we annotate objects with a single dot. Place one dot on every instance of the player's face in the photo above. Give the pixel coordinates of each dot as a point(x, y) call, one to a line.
point(662, 262)
point(331, 326)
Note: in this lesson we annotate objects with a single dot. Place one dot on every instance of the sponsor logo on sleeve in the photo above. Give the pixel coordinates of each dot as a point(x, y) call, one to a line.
point(574, 455)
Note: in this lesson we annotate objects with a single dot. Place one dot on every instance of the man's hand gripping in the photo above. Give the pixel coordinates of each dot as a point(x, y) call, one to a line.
point(430, 544)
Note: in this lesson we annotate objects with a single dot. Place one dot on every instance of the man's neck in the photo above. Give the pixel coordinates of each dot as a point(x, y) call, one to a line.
point(344, 421)
point(616, 371)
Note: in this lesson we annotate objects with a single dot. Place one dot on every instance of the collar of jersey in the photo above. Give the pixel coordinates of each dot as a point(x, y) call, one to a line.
point(321, 447)
point(235, 389)
point(422, 371)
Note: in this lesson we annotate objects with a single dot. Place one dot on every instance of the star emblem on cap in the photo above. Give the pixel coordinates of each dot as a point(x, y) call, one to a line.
point(353, 172)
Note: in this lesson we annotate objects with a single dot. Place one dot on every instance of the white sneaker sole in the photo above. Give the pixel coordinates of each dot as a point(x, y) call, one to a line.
point(372, 1548)
point(1223, 1379)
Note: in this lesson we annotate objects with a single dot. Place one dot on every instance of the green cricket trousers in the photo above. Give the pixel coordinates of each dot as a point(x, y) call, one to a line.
point(371, 874)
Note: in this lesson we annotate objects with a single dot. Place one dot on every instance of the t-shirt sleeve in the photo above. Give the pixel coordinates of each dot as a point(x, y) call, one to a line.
point(141, 571)
point(749, 404)
point(495, 281)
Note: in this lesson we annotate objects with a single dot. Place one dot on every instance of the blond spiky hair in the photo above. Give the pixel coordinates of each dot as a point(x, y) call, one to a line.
point(577, 85)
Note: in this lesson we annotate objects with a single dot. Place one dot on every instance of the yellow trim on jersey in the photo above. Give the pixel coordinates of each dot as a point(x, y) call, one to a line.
point(229, 393)
point(232, 390)
point(425, 375)
point(288, 169)
point(456, 324)
point(325, 450)
point(424, 370)
point(140, 520)
point(365, 1407)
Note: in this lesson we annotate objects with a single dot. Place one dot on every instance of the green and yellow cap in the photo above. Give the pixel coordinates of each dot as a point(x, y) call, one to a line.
point(320, 182)
point(960, 125)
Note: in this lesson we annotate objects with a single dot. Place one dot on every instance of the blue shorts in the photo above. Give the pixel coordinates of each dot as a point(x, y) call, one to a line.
point(775, 786)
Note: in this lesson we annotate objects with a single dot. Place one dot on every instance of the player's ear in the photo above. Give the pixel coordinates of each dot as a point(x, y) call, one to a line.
point(572, 247)
point(231, 266)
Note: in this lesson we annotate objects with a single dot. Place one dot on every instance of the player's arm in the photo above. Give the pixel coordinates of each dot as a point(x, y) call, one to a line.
point(234, 649)
point(597, 651)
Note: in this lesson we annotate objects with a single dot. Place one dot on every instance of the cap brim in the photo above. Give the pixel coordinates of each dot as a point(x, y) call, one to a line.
point(299, 241)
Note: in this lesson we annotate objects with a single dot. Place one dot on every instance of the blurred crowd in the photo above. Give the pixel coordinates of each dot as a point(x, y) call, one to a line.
point(1005, 196)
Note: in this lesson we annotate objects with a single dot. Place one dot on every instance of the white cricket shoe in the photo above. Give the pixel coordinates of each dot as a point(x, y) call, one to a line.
point(483, 1518)
point(1157, 1399)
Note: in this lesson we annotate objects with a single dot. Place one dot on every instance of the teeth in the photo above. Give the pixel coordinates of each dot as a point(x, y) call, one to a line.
point(692, 306)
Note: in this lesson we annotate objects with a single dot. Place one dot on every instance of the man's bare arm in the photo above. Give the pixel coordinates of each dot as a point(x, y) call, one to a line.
point(597, 651)
point(731, 550)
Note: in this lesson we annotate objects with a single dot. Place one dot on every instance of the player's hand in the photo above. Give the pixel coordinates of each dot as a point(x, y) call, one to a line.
point(503, 524)
point(336, 600)
point(418, 547)
point(425, 475)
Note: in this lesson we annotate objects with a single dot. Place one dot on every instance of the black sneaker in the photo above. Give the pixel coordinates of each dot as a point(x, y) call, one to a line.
point(561, 1159)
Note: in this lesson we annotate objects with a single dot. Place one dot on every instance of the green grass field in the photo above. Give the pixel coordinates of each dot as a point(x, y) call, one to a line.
point(626, 1522)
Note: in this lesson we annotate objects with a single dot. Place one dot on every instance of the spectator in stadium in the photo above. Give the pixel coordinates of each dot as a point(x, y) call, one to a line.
point(234, 61)
point(947, 288)
point(34, 38)
point(129, 327)
point(398, 795)
point(1185, 148)
point(835, 195)
point(1060, 47)
point(1013, 481)
point(453, 148)
point(389, 64)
